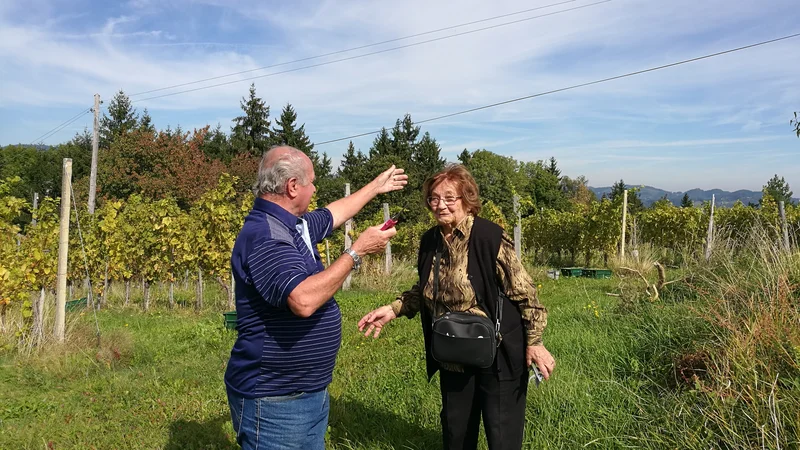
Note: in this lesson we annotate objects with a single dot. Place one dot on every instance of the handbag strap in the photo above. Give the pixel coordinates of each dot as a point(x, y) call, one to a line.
point(499, 316)
point(437, 261)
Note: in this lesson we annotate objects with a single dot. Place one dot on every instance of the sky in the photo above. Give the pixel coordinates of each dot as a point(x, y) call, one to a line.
point(721, 122)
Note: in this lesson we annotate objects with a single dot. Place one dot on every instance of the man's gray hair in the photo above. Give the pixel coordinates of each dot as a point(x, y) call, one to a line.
point(274, 172)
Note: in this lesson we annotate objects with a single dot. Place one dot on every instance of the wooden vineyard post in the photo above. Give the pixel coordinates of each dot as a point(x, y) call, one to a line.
point(388, 260)
point(710, 236)
point(63, 252)
point(348, 228)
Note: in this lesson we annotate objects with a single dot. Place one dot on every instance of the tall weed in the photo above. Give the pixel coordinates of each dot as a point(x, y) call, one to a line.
point(748, 388)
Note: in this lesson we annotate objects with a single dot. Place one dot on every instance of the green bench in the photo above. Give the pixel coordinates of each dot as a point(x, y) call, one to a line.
point(74, 305)
point(597, 273)
point(230, 320)
point(571, 271)
point(587, 272)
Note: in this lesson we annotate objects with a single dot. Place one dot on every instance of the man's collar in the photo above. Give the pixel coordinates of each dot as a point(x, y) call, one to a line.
point(277, 211)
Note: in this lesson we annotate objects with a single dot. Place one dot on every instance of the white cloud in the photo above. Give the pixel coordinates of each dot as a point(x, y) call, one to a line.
point(748, 95)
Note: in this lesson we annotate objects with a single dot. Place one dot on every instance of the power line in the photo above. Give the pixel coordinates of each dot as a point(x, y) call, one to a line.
point(361, 47)
point(575, 86)
point(60, 127)
point(373, 53)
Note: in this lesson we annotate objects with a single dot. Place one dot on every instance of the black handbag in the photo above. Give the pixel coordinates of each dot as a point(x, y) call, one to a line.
point(464, 338)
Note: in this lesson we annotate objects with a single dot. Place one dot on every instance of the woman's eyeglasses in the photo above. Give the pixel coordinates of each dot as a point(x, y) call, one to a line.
point(434, 201)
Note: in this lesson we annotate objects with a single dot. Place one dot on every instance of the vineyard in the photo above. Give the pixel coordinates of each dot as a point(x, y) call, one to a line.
point(139, 240)
point(717, 350)
point(142, 242)
point(673, 231)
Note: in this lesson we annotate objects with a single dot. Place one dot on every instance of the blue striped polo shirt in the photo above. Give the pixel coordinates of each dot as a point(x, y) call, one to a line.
point(277, 352)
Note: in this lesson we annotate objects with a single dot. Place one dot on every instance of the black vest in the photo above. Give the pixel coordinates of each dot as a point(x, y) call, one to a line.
point(483, 247)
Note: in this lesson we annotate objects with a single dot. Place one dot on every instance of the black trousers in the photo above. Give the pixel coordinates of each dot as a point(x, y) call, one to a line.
point(467, 396)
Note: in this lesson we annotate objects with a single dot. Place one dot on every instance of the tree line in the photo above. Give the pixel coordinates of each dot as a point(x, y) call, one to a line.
point(171, 202)
point(137, 158)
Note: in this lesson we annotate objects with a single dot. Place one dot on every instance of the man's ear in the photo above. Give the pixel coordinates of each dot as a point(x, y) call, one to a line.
point(291, 187)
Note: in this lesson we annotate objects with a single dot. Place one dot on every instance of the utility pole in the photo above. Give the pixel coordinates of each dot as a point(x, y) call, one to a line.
point(95, 145)
point(63, 248)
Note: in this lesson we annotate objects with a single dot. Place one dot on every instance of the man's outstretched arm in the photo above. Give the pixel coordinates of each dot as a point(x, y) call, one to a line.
point(392, 179)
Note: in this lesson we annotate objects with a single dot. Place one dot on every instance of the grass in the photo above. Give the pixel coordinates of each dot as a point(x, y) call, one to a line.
point(155, 381)
point(629, 375)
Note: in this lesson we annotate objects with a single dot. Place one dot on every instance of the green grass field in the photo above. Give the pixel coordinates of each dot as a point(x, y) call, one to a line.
point(155, 381)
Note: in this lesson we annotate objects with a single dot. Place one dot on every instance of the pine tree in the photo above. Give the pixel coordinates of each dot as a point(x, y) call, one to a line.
point(635, 204)
point(286, 132)
point(553, 167)
point(121, 119)
point(216, 145)
point(381, 146)
point(251, 132)
point(404, 138)
point(617, 189)
point(352, 166)
point(146, 122)
point(393, 148)
point(179, 133)
point(426, 159)
point(686, 202)
point(464, 157)
point(778, 189)
point(355, 168)
point(325, 168)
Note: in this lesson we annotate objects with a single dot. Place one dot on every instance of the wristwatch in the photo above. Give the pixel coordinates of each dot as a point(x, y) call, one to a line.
point(354, 255)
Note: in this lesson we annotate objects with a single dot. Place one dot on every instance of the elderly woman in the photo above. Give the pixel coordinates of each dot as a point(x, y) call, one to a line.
point(477, 258)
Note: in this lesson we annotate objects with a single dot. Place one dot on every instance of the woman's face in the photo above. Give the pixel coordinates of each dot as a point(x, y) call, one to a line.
point(446, 204)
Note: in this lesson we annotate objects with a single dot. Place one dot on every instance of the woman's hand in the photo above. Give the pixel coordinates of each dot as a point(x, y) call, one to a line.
point(537, 354)
point(376, 319)
point(392, 179)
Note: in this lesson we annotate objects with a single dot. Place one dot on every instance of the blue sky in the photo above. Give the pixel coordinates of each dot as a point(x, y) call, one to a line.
point(718, 123)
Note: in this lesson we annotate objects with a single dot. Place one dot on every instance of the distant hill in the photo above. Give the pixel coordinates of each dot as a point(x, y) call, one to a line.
point(650, 194)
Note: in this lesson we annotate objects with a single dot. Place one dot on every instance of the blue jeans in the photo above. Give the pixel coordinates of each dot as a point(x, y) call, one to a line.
point(287, 422)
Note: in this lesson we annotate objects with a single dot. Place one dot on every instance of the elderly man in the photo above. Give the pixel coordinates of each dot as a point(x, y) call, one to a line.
point(288, 321)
